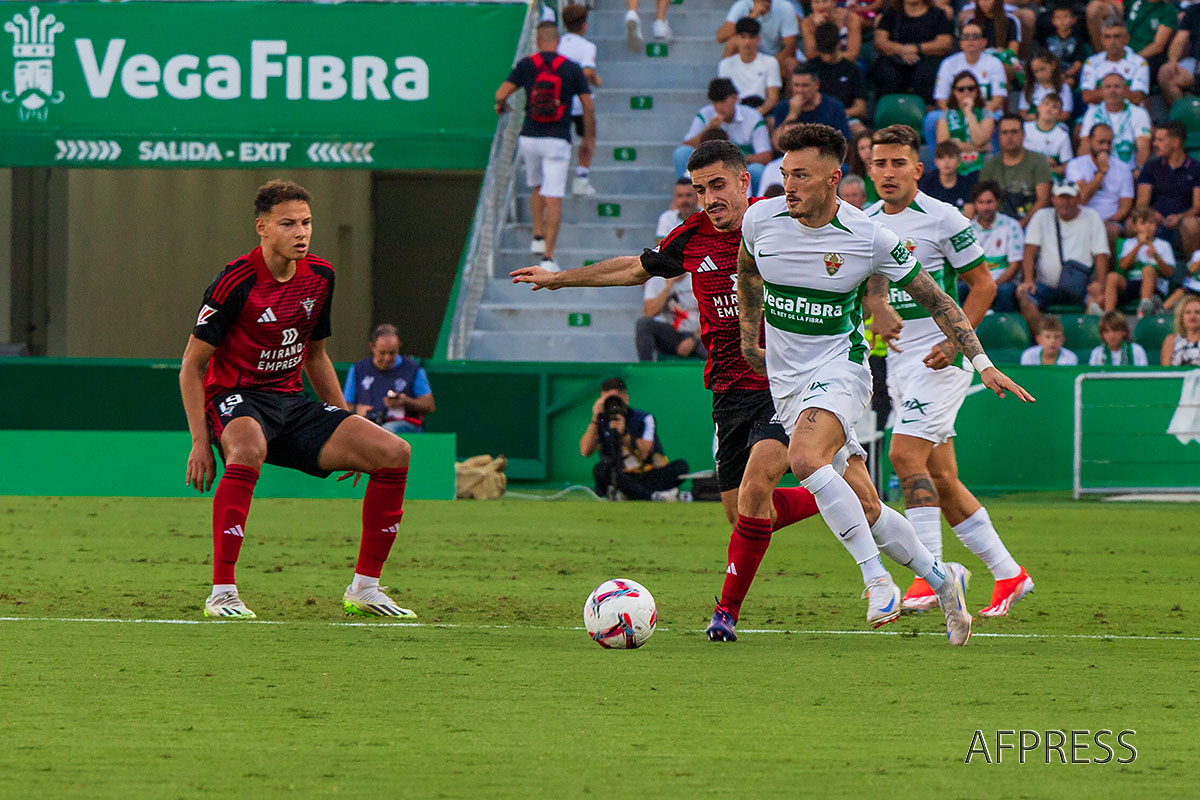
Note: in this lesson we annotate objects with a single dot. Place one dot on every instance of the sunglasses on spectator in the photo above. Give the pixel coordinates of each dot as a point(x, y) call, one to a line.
point(966, 88)
point(971, 36)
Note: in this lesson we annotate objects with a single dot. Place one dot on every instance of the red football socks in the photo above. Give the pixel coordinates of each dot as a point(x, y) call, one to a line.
point(383, 507)
point(231, 506)
point(792, 505)
point(749, 541)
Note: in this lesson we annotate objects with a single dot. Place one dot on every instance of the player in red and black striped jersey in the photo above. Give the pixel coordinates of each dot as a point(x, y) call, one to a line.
point(751, 445)
point(264, 320)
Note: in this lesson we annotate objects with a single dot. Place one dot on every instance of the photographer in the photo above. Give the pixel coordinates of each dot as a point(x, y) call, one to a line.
point(387, 388)
point(631, 462)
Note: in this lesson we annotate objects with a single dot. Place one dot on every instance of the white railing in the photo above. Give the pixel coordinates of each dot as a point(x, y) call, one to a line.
point(492, 208)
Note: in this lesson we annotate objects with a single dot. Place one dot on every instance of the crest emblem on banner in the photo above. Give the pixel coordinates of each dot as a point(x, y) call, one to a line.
point(33, 64)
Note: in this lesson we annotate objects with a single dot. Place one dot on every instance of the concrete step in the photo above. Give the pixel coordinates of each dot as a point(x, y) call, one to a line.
point(657, 73)
point(502, 292)
point(652, 154)
point(686, 23)
point(563, 346)
point(700, 51)
point(612, 240)
point(534, 318)
point(629, 209)
point(663, 101)
point(621, 178)
point(642, 125)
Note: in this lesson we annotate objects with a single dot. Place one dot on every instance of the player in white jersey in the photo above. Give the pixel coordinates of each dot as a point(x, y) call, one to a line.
point(927, 376)
point(804, 259)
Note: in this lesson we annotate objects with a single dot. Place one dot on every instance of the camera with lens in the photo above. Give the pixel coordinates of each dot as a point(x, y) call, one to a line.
point(613, 407)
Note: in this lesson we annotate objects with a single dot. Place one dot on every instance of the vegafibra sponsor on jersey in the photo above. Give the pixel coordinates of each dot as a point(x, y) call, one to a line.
point(794, 310)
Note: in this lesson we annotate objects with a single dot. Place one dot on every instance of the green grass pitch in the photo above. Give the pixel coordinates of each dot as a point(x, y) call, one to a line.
point(499, 693)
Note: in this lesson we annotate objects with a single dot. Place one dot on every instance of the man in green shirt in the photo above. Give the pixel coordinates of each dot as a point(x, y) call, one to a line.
point(1152, 23)
point(1023, 175)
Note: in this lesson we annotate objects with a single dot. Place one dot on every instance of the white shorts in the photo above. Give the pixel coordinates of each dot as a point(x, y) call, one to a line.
point(840, 387)
point(547, 161)
point(925, 401)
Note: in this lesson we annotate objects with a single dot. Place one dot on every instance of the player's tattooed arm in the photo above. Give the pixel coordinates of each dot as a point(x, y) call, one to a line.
point(885, 323)
point(750, 309)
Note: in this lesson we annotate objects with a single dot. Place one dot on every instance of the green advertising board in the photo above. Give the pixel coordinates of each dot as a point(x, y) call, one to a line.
point(253, 84)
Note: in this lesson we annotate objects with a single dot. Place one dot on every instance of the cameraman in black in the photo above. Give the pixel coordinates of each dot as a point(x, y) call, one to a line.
point(631, 462)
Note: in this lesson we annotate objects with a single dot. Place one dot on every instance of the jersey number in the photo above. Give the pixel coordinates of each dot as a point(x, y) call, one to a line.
point(229, 403)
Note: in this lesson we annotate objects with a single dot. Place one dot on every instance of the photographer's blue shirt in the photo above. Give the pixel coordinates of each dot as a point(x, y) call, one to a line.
point(366, 384)
point(639, 425)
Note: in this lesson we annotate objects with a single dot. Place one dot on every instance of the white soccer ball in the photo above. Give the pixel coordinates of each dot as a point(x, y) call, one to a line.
point(620, 614)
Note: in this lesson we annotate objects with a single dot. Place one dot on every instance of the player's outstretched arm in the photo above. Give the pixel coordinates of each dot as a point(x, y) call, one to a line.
point(618, 271)
point(201, 466)
point(322, 375)
point(750, 305)
point(886, 323)
point(954, 323)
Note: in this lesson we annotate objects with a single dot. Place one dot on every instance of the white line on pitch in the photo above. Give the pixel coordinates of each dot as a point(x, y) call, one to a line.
point(239, 623)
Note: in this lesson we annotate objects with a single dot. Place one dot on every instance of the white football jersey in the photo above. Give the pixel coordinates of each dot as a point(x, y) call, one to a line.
point(583, 53)
point(1132, 67)
point(1003, 244)
point(1128, 125)
point(811, 279)
point(1054, 143)
point(943, 241)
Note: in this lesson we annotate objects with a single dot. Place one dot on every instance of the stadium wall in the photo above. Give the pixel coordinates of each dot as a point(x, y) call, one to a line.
point(534, 414)
point(6, 332)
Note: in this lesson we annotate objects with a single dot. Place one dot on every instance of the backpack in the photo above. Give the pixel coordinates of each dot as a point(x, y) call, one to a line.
point(545, 98)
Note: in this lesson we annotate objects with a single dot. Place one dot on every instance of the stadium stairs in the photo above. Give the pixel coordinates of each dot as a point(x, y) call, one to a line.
point(633, 175)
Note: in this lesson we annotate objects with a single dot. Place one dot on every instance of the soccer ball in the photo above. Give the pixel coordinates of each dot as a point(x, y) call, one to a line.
point(620, 614)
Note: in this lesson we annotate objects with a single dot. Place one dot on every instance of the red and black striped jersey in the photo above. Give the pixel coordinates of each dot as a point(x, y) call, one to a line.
point(261, 327)
point(710, 256)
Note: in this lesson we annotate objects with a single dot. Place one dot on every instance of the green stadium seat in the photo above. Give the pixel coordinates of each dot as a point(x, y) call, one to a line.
point(1004, 337)
point(1151, 331)
point(1187, 110)
point(900, 109)
point(1082, 332)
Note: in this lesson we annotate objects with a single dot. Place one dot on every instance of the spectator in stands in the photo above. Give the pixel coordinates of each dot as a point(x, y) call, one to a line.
point(582, 52)
point(671, 320)
point(840, 77)
point(1048, 136)
point(1024, 177)
point(1130, 124)
point(1182, 348)
point(1045, 77)
point(1178, 74)
point(1003, 242)
point(1190, 286)
point(684, 203)
point(1066, 257)
point(1151, 25)
point(1116, 349)
point(809, 104)
point(633, 24)
point(847, 24)
point(545, 141)
point(744, 126)
point(911, 38)
point(968, 122)
point(1105, 183)
point(632, 464)
point(755, 75)
point(1169, 185)
point(1001, 31)
point(387, 388)
point(779, 29)
point(1049, 350)
point(987, 69)
point(858, 156)
point(853, 191)
point(1066, 38)
point(1115, 57)
point(1144, 260)
point(945, 183)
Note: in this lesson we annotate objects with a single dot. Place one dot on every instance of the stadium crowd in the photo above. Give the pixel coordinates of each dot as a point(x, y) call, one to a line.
point(1061, 129)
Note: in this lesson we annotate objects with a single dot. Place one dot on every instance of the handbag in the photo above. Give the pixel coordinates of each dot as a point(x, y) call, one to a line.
point(1075, 275)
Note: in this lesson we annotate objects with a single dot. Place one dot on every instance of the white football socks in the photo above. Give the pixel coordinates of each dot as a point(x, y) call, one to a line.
point(223, 587)
point(842, 512)
point(898, 541)
point(361, 582)
point(927, 522)
point(979, 536)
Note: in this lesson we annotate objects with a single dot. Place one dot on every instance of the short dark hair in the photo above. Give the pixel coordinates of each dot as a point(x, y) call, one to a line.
point(898, 134)
point(774, 190)
point(384, 330)
point(721, 89)
point(1174, 128)
point(1011, 115)
point(717, 152)
point(614, 383)
point(748, 26)
point(682, 182)
point(714, 135)
point(987, 186)
point(826, 140)
point(827, 37)
point(807, 69)
point(947, 148)
point(574, 17)
point(272, 193)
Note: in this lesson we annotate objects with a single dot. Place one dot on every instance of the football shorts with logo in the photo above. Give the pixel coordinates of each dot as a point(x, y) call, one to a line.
point(743, 419)
point(925, 401)
point(295, 427)
point(841, 387)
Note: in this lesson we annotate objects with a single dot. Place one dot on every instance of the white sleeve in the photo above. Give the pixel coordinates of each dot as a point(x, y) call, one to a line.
point(941, 86)
point(1067, 358)
point(1127, 247)
point(1064, 148)
point(1022, 103)
point(1139, 356)
point(791, 23)
point(1164, 251)
point(891, 258)
point(698, 123)
point(1089, 120)
point(1068, 100)
point(589, 60)
point(998, 81)
point(1035, 234)
point(1016, 244)
point(959, 245)
point(1126, 189)
point(760, 140)
point(1074, 172)
point(749, 220)
point(739, 10)
point(773, 76)
point(1141, 77)
point(1087, 75)
point(1139, 121)
point(667, 222)
point(1032, 356)
point(653, 287)
point(723, 67)
point(1099, 234)
point(1096, 358)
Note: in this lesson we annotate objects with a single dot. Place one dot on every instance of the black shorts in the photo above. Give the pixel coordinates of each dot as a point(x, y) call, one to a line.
point(578, 124)
point(743, 418)
point(296, 428)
